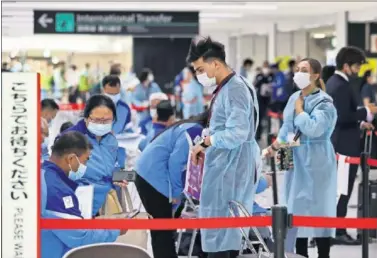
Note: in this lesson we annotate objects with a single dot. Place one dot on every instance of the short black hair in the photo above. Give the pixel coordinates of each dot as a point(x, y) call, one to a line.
point(115, 69)
point(74, 67)
point(291, 63)
point(97, 101)
point(50, 104)
point(111, 80)
point(327, 72)
point(164, 110)
point(205, 48)
point(349, 55)
point(65, 126)
point(143, 75)
point(87, 65)
point(70, 142)
point(248, 61)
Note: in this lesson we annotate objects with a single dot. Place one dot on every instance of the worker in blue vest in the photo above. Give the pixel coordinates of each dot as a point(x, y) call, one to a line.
point(164, 118)
point(69, 156)
point(111, 88)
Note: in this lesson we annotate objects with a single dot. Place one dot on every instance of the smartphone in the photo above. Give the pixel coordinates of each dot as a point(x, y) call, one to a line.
point(121, 174)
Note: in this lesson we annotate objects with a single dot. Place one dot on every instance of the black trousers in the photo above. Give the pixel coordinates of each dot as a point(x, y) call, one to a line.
point(225, 254)
point(323, 245)
point(344, 199)
point(157, 205)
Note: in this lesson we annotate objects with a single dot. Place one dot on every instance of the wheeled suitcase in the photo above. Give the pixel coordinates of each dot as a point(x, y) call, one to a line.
point(372, 204)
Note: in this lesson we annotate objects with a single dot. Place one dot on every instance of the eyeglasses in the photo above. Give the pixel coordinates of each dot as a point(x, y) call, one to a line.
point(101, 120)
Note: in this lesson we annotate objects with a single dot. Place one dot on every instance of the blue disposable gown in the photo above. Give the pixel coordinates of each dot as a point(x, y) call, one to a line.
point(141, 94)
point(230, 163)
point(192, 98)
point(100, 166)
point(59, 201)
point(311, 187)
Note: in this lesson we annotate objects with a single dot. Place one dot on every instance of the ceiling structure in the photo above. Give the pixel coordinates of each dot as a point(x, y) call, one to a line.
point(230, 17)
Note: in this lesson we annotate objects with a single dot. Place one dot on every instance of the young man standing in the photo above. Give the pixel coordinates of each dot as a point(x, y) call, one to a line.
point(346, 136)
point(231, 151)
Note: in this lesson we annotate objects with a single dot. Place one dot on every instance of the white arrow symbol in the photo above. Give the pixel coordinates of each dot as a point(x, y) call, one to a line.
point(44, 20)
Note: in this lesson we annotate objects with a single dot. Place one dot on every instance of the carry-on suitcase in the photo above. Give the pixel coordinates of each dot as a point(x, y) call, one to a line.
point(372, 204)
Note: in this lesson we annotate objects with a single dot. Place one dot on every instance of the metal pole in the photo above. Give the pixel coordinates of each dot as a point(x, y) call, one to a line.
point(279, 229)
point(365, 204)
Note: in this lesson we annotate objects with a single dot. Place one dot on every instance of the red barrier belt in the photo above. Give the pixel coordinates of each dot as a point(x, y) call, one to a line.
point(74, 107)
point(170, 224)
point(274, 115)
point(137, 108)
point(356, 161)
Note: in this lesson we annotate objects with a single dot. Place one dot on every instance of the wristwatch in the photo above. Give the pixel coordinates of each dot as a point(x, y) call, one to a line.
point(202, 143)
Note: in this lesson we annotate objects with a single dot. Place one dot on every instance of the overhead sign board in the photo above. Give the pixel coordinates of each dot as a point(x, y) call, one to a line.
point(116, 23)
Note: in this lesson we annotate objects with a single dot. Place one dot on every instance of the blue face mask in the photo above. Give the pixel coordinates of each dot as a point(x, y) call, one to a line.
point(99, 129)
point(79, 173)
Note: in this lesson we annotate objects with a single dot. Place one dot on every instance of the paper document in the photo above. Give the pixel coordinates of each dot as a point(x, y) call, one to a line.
point(85, 194)
point(343, 173)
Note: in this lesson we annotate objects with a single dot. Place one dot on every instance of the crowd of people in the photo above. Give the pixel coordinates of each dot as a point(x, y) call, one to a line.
point(322, 114)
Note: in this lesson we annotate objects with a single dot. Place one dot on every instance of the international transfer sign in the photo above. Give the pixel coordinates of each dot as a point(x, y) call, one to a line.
point(116, 23)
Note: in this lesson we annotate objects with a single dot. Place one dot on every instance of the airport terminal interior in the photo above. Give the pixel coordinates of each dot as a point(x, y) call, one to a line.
point(74, 46)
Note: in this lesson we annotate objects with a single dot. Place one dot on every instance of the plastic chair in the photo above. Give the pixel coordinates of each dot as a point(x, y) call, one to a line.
point(108, 250)
point(186, 213)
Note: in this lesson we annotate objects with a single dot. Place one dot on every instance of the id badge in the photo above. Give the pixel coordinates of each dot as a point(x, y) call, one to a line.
point(292, 143)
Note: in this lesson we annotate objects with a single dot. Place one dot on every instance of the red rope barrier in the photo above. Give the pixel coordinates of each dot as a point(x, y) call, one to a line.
point(274, 115)
point(171, 224)
point(74, 106)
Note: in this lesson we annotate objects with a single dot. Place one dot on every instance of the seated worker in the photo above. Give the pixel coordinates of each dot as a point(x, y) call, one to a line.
point(142, 92)
point(164, 118)
point(111, 88)
point(49, 109)
point(99, 114)
point(44, 137)
point(70, 153)
point(264, 182)
point(160, 170)
point(154, 99)
point(65, 126)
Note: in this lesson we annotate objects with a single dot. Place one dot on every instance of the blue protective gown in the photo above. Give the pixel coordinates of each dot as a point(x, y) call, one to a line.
point(156, 129)
point(163, 162)
point(230, 163)
point(100, 166)
point(59, 201)
point(141, 94)
point(192, 98)
point(123, 117)
point(311, 187)
point(261, 187)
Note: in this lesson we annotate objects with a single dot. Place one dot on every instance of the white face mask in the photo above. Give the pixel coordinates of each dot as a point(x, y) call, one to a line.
point(153, 112)
point(115, 98)
point(99, 129)
point(150, 77)
point(265, 71)
point(205, 80)
point(75, 175)
point(302, 80)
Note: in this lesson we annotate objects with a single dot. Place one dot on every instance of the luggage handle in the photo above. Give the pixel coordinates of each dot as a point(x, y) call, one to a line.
point(368, 141)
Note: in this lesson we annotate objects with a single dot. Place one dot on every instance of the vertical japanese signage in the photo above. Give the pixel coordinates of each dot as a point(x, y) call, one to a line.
point(19, 104)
